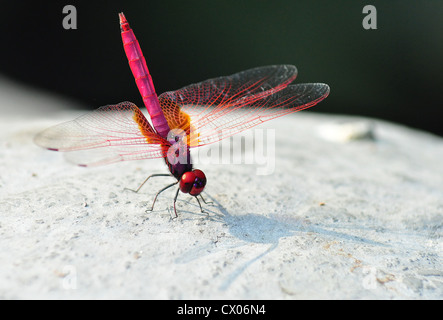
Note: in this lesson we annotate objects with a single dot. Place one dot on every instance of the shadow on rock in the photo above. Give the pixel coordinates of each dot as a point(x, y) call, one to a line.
point(260, 229)
point(256, 228)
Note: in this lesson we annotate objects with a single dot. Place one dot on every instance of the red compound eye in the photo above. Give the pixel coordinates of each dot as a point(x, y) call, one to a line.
point(187, 181)
point(193, 182)
point(199, 183)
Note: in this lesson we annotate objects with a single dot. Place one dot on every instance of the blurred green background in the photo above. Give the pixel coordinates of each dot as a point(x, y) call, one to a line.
point(393, 73)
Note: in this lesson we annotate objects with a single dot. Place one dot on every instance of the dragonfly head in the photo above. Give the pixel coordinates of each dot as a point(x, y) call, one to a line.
point(193, 182)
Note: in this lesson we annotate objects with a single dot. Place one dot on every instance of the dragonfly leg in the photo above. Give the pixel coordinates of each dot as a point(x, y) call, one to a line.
point(175, 199)
point(152, 175)
point(155, 199)
point(201, 209)
point(206, 202)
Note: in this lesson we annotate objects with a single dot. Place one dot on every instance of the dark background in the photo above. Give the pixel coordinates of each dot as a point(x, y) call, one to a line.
point(394, 72)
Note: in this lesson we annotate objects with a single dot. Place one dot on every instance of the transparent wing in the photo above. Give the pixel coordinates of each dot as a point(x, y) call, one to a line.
point(109, 134)
point(218, 108)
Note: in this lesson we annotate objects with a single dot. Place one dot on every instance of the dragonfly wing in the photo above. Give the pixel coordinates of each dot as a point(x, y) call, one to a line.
point(223, 91)
point(214, 126)
point(109, 134)
point(221, 107)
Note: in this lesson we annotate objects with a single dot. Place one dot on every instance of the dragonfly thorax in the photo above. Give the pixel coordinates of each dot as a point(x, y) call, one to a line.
point(178, 160)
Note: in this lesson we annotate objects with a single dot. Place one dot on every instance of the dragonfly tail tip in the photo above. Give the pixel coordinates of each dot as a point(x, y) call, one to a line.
point(122, 17)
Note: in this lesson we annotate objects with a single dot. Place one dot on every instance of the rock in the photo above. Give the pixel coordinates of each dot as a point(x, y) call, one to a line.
point(358, 219)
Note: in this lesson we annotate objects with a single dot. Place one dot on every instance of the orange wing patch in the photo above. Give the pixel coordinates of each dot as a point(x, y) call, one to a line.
point(178, 119)
point(144, 127)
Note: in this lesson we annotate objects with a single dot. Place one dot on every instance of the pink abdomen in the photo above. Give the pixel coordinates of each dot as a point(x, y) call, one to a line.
point(143, 79)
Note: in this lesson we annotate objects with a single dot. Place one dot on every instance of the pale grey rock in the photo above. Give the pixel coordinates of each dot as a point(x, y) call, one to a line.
point(355, 219)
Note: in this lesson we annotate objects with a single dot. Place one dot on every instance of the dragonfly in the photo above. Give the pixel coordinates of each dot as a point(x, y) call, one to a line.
point(195, 115)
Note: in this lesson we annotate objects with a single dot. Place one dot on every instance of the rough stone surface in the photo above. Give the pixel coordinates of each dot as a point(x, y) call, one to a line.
point(348, 219)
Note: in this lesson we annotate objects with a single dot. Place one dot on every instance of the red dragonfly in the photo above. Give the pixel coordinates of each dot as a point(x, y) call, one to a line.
point(193, 116)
